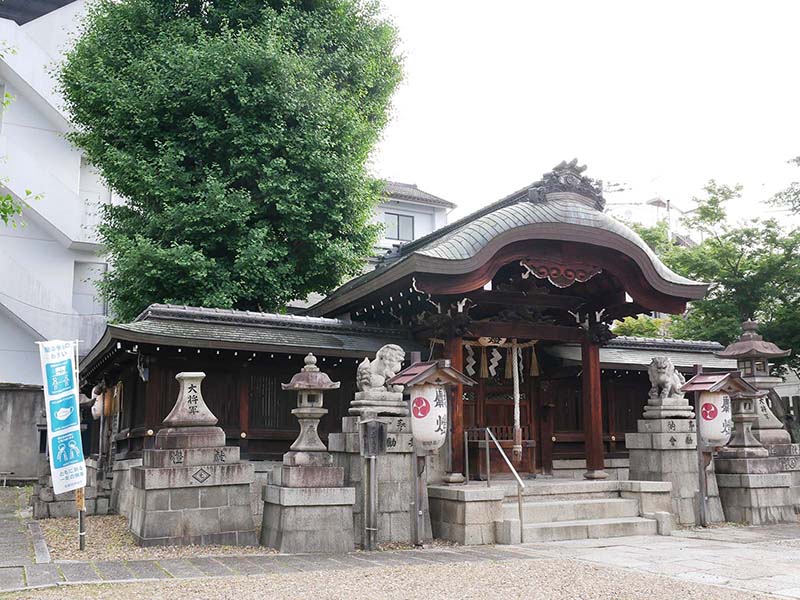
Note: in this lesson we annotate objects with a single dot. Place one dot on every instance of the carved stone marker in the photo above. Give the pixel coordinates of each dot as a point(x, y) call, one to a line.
point(191, 488)
point(665, 447)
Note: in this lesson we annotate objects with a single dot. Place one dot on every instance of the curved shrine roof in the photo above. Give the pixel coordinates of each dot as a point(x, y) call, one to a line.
point(563, 206)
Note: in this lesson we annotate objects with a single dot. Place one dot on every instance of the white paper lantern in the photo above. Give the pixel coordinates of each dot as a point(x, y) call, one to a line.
point(428, 415)
point(715, 418)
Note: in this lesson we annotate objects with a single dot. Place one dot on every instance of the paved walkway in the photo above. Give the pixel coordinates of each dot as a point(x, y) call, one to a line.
point(754, 559)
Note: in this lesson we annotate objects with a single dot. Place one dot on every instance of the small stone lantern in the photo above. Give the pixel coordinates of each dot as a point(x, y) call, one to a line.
point(308, 464)
point(752, 355)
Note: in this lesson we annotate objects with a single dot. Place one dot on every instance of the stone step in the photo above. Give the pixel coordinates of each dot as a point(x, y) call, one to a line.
point(572, 510)
point(590, 529)
point(556, 490)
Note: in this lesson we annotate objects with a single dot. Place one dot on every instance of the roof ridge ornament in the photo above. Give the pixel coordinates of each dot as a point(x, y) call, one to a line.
point(569, 177)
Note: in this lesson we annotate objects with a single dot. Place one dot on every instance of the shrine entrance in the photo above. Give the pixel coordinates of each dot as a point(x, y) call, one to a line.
point(491, 404)
point(545, 264)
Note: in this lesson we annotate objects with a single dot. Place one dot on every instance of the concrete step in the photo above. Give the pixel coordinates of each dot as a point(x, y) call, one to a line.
point(586, 529)
point(572, 510)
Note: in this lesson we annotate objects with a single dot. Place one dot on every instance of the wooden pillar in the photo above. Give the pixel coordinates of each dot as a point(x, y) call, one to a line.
point(244, 412)
point(592, 410)
point(454, 350)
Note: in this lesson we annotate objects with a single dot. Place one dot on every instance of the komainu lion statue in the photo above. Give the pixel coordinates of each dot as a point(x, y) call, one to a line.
point(372, 376)
point(665, 381)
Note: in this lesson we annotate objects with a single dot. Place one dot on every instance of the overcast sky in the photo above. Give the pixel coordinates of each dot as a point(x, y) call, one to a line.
point(660, 96)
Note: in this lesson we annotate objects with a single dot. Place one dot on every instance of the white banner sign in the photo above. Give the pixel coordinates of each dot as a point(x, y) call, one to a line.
point(60, 379)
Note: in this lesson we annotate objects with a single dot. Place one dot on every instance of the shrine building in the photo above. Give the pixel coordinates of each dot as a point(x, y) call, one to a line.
point(518, 295)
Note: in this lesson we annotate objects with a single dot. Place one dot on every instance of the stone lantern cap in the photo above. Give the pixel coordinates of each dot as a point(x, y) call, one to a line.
point(310, 378)
point(436, 372)
point(751, 345)
point(731, 383)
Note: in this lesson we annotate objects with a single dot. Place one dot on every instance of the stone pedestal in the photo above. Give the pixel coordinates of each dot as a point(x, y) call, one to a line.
point(308, 519)
point(379, 402)
point(666, 450)
point(306, 507)
point(788, 459)
point(191, 488)
point(754, 491)
point(396, 516)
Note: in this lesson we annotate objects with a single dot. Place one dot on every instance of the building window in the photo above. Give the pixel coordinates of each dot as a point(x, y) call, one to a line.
point(399, 227)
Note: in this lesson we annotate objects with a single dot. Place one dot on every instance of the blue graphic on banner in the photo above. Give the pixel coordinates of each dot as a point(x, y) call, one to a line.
point(64, 413)
point(59, 377)
point(66, 449)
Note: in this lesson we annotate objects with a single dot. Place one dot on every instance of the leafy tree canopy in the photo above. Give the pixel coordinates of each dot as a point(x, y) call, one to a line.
point(238, 131)
point(641, 326)
point(753, 269)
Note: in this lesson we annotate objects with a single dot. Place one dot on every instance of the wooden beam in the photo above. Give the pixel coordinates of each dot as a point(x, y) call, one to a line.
point(592, 411)
point(531, 300)
point(532, 331)
point(454, 350)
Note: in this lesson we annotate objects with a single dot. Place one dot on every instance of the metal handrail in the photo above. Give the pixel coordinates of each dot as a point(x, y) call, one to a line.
point(520, 485)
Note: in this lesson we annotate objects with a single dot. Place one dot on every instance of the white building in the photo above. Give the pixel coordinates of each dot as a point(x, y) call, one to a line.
point(408, 213)
point(47, 266)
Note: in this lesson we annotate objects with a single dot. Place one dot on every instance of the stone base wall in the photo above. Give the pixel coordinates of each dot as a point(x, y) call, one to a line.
point(300, 520)
point(464, 515)
point(199, 515)
point(181, 499)
point(396, 495)
point(788, 457)
point(48, 505)
point(754, 491)
point(666, 450)
point(121, 488)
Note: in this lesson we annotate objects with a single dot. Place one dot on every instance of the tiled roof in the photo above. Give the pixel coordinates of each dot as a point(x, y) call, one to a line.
point(636, 353)
point(194, 327)
point(408, 191)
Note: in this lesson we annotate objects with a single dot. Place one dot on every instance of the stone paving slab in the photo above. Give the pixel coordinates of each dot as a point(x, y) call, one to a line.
point(11, 578)
point(113, 570)
point(211, 567)
point(180, 568)
point(42, 575)
point(146, 569)
point(78, 572)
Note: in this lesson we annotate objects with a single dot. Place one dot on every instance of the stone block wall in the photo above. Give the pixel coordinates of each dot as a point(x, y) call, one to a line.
point(46, 504)
point(193, 515)
point(464, 515)
point(396, 494)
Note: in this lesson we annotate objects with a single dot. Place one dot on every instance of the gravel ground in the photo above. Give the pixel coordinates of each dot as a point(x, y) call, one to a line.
point(108, 538)
point(530, 579)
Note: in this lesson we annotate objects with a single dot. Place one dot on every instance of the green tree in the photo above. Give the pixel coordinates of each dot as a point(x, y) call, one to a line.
point(239, 132)
point(641, 326)
point(753, 270)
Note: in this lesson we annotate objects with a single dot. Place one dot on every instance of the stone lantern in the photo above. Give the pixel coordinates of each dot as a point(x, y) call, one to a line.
point(306, 506)
point(752, 354)
point(308, 464)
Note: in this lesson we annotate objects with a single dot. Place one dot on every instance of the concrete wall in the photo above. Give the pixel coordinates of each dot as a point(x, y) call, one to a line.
point(20, 409)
